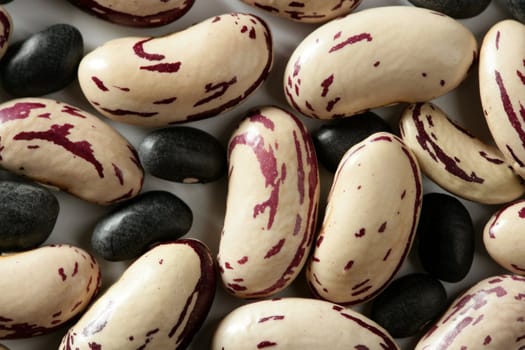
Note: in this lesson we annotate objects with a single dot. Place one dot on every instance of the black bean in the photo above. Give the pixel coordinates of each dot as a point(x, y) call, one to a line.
point(28, 214)
point(446, 237)
point(183, 154)
point(454, 8)
point(516, 8)
point(332, 140)
point(409, 304)
point(45, 62)
point(151, 217)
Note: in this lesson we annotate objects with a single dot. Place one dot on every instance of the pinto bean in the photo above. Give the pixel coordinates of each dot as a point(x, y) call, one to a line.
point(160, 301)
point(297, 323)
point(307, 11)
point(364, 68)
point(501, 79)
point(58, 144)
point(503, 237)
point(137, 13)
point(271, 207)
point(165, 80)
point(6, 28)
point(457, 160)
point(43, 288)
point(370, 221)
point(489, 315)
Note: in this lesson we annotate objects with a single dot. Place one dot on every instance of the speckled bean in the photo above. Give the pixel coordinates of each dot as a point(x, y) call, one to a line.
point(504, 237)
point(58, 144)
point(165, 80)
point(6, 28)
point(160, 301)
point(370, 221)
point(136, 13)
point(307, 11)
point(296, 323)
point(455, 159)
point(271, 205)
point(373, 51)
point(43, 288)
point(487, 316)
point(501, 82)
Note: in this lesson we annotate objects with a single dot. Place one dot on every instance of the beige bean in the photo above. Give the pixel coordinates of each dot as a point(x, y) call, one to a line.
point(367, 60)
point(489, 315)
point(271, 207)
point(307, 11)
point(165, 80)
point(370, 221)
point(160, 301)
point(501, 81)
point(298, 324)
point(457, 160)
point(60, 145)
point(504, 237)
point(43, 288)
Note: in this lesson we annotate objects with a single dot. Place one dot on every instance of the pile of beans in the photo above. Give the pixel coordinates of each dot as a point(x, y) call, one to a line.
point(237, 174)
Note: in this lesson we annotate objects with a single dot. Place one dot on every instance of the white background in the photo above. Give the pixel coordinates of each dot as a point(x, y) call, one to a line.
point(77, 218)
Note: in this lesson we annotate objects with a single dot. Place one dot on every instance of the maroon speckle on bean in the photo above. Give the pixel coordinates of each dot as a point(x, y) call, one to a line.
point(351, 40)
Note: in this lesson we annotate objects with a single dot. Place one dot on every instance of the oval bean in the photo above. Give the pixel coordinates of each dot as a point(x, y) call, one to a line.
point(299, 324)
point(160, 301)
point(43, 288)
point(489, 315)
point(137, 13)
point(139, 81)
point(60, 145)
point(271, 206)
point(370, 221)
point(359, 55)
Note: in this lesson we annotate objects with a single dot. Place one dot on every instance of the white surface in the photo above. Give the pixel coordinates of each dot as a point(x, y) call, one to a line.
point(77, 218)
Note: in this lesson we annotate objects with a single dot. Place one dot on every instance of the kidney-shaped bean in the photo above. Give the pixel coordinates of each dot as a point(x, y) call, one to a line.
point(271, 206)
point(457, 160)
point(58, 144)
point(504, 237)
point(297, 323)
point(44, 288)
point(487, 316)
point(501, 79)
point(159, 81)
point(137, 13)
point(370, 221)
point(160, 301)
point(307, 11)
point(368, 61)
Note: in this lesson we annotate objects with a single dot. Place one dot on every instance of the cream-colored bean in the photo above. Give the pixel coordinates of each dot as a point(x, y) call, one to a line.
point(504, 237)
point(370, 221)
point(160, 81)
point(501, 84)
point(367, 60)
point(271, 207)
point(299, 324)
point(160, 301)
point(60, 145)
point(137, 13)
point(487, 316)
point(457, 160)
point(307, 11)
point(43, 288)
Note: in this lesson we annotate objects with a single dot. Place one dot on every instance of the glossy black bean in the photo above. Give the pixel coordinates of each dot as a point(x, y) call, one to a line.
point(151, 217)
point(45, 62)
point(409, 304)
point(28, 214)
point(446, 237)
point(332, 140)
point(183, 154)
point(516, 8)
point(454, 8)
